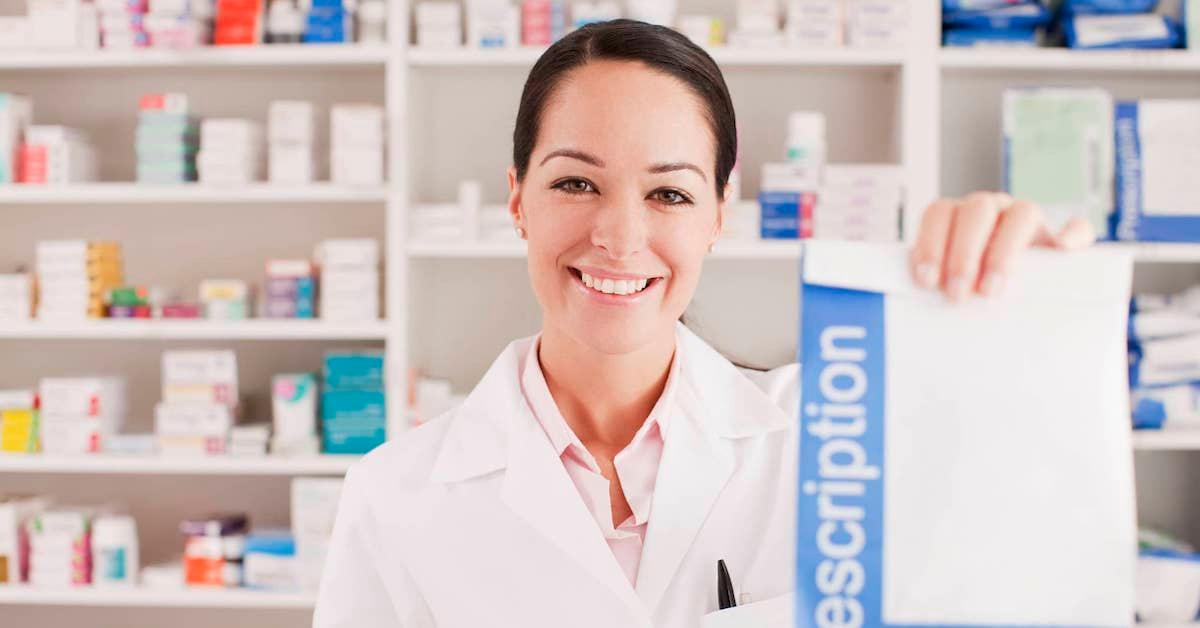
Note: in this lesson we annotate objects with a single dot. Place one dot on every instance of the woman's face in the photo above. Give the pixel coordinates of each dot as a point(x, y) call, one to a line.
point(618, 204)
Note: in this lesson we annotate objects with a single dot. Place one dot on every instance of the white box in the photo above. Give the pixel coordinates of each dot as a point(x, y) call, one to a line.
point(291, 122)
point(15, 32)
point(355, 125)
point(313, 508)
point(356, 166)
point(360, 252)
point(905, 456)
point(224, 134)
point(294, 406)
point(192, 419)
point(83, 396)
point(291, 163)
point(70, 435)
point(216, 369)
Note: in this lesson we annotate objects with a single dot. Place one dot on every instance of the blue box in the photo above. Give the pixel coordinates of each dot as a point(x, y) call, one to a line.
point(786, 215)
point(353, 421)
point(353, 370)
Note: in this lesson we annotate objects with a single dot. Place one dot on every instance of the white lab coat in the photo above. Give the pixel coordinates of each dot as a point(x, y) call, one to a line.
point(471, 520)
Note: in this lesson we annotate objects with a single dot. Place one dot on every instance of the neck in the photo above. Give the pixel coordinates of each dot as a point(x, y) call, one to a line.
point(605, 398)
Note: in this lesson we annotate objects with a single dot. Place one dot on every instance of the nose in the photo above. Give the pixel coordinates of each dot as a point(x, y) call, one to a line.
point(621, 230)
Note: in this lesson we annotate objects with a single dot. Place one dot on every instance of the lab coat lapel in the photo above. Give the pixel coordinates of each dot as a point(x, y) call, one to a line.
point(537, 488)
point(696, 465)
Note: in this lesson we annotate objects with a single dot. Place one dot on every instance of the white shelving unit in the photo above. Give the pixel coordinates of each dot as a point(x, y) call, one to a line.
point(137, 194)
point(143, 597)
point(156, 465)
point(166, 329)
point(450, 307)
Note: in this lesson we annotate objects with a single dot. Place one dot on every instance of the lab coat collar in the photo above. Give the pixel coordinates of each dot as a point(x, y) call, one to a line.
point(494, 429)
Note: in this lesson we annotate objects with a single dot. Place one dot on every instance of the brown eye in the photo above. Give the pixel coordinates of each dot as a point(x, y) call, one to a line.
point(671, 197)
point(574, 186)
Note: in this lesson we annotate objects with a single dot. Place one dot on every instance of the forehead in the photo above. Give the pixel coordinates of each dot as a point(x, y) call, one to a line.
point(626, 111)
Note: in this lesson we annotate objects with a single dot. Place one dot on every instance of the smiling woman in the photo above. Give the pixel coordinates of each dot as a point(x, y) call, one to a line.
point(600, 469)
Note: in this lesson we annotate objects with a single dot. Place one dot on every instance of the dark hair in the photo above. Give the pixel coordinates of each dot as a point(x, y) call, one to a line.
point(658, 47)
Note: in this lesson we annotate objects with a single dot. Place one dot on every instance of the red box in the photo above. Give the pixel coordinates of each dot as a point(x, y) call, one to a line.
point(31, 163)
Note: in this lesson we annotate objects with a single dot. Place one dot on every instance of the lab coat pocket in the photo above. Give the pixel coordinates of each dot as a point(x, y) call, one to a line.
point(777, 612)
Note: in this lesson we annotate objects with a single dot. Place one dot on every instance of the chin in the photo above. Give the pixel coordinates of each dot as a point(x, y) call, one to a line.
point(612, 334)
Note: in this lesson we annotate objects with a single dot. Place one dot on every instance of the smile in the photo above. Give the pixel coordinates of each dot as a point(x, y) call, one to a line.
point(613, 286)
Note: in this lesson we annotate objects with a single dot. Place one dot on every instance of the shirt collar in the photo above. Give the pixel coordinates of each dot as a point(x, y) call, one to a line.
point(562, 437)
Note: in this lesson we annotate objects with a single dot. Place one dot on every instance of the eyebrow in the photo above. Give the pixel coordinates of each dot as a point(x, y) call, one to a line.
point(590, 159)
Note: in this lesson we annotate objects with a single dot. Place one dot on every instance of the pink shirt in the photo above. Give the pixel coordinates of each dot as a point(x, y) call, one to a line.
point(636, 465)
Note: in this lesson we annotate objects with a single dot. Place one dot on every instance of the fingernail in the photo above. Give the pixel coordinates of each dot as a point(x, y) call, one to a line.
point(993, 284)
point(956, 288)
point(927, 275)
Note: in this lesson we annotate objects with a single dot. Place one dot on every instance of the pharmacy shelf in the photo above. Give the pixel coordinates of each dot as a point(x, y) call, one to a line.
point(525, 57)
point(275, 55)
point(1063, 60)
point(165, 329)
point(730, 250)
point(1158, 252)
point(140, 193)
point(159, 465)
point(1166, 440)
point(147, 597)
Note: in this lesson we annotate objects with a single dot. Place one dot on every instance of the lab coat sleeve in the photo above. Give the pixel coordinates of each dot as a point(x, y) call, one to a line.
point(352, 593)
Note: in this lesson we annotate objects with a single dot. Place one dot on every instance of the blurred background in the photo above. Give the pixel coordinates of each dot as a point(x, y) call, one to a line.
point(242, 242)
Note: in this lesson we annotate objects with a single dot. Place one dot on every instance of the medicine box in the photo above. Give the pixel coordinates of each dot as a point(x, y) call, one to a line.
point(361, 370)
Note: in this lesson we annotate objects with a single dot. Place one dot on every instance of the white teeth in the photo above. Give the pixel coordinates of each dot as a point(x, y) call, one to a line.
point(619, 287)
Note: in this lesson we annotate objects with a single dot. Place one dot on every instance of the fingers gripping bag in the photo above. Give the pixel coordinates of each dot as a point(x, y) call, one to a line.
point(964, 464)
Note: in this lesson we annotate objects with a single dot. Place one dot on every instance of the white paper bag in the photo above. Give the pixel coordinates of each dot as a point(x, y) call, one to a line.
point(969, 464)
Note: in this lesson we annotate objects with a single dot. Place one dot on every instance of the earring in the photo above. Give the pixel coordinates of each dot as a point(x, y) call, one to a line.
point(521, 233)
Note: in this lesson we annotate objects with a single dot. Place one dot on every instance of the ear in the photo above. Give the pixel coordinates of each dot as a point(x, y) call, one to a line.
point(514, 198)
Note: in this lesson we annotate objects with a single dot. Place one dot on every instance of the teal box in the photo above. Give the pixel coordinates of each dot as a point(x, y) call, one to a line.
point(353, 370)
point(353, 421)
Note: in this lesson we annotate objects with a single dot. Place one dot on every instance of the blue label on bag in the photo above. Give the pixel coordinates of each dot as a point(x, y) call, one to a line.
point(840, 527)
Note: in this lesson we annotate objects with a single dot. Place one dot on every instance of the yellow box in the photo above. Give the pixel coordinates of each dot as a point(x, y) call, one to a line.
point(19, 431)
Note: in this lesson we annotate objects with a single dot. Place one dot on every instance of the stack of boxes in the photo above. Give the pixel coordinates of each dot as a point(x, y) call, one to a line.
point(249, 440)
point(814, 23)
point(238, 22)
point(290, 289)
point(74, 276)
point(199, 404)
point(15, 511)
point(877, 23)
point(16, 297)
point(225, 299)
point(349, 280)
point(60, 552)
point(213, 550)
point(230, 151)
point(543, 22)
point(493, 24)
point(314, 505)
point(63, 24)
point(294, 414)
point(328, 22)
point(56, 155)
point(77, 414)
point(859, 202)
point(356, 144)
point(121, 23)
point(16, 111)
point(178, 23)
point(353, 413)
point(291, 129)
point(167, 140)
point(787, 201)
point(19, 430)
point(757, 24)
point(439, 24)
point(129, 302)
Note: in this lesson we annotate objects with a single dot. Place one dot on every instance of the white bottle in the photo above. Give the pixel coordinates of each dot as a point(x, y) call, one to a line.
point(806, 142)
point(114, 551)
